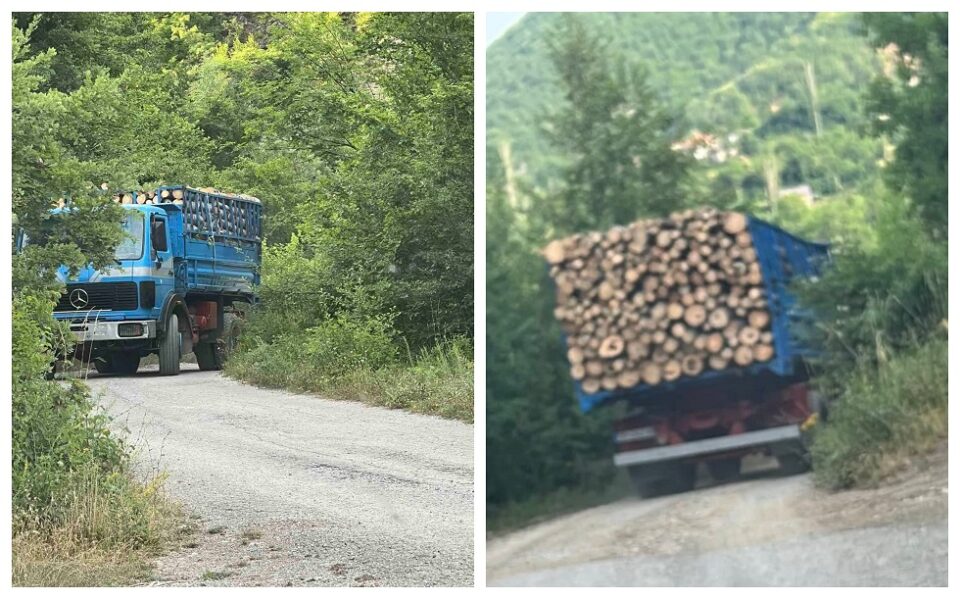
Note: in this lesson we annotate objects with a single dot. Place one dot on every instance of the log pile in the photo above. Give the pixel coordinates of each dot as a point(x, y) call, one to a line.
point(150, 197)
point(660, 299)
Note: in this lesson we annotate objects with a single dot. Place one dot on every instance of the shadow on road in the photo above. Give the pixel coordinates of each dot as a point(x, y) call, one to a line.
point(754, 467)
point(147, 371)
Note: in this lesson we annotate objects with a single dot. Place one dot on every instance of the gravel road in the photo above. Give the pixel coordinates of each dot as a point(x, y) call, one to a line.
point(296, 490)
point(766, 530)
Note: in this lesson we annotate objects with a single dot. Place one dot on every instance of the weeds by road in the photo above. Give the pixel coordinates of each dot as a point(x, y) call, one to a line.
point(438, 382)
point(108, 533)
point(887, 415)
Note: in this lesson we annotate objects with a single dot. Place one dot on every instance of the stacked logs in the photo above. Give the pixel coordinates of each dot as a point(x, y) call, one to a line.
point(660, 299)
point(150, 197)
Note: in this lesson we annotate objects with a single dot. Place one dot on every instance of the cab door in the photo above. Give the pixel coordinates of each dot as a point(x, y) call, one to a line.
point(161, 258)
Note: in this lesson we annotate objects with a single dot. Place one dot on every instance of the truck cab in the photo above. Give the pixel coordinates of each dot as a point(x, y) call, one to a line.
point(183, 275)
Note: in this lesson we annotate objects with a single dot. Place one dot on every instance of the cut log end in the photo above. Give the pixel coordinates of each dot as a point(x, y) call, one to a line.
point(611, 347)
point(692, 365)
point(554, 252)
point(734, 223)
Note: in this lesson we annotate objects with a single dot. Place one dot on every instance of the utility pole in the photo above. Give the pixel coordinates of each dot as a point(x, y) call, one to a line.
point(814, 101)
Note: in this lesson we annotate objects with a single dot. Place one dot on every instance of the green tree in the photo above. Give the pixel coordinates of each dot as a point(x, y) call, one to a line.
point(910, 107)
point(615, 134)
point(614, 138)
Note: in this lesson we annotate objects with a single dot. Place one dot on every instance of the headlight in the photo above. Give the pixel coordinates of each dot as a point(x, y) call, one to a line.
point(130, 329)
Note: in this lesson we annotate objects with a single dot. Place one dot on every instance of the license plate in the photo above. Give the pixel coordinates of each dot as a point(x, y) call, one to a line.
point(636, 434)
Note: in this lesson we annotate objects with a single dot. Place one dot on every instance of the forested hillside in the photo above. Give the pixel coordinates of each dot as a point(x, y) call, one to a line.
point(776, 82)
point(833, 126)
point(356, 132)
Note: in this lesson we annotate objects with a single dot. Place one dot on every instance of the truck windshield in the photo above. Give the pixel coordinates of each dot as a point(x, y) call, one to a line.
point(131, 246)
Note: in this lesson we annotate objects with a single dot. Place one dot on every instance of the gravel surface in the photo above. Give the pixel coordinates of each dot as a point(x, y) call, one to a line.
point(765, 530)
point(292, 490)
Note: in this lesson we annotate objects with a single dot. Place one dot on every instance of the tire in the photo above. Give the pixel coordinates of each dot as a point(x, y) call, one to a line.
point(793, 463)
point(104, 364)
point(213, 355)
point(125, 363)
point(208, 358)
point(663, 479)
point(169, 352)
point(724, 470)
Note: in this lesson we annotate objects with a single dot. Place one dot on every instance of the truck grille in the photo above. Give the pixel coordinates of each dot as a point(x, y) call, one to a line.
point(98, 296)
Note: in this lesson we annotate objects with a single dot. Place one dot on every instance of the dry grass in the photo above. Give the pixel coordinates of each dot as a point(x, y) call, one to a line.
point(42, 562)
point(109, 532)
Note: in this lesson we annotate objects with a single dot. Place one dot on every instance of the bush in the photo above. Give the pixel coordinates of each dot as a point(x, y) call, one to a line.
point(347, 359)
point(323, 353)
point(886, 414)
point(78, 516)
point(341, 345)
point(884, 293)
point(56, 430)
point(439, 381)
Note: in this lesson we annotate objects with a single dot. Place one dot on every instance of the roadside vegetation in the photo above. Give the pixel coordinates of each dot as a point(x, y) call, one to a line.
point(862, 170)
point(356, 132)
point(360, 362)
point(81, 516)
point(367, 279)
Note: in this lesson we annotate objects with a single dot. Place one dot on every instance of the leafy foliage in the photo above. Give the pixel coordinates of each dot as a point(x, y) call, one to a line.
point(730, 73)
point(911, 108)
point(781, 99)
point(356, 131)
point(617, 133)
point(618, 136)
point(886, 414)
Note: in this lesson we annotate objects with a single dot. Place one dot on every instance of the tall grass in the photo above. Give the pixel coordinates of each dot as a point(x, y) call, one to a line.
point(106, 529)
point(356, 362)
point(79, 517)
point(888, 413)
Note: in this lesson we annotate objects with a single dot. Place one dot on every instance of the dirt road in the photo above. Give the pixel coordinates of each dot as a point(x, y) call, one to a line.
point(296, 490)
point(764, 530)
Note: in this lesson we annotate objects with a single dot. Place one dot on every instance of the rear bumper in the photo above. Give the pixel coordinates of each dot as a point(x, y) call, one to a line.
point(704, 447)
point(107, 330)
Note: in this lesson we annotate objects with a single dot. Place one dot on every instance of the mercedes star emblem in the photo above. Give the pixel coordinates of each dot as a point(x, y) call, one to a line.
point(79, 298)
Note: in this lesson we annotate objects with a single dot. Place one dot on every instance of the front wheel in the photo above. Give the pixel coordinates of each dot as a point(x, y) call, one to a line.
point(117, 363)
point(169, 352)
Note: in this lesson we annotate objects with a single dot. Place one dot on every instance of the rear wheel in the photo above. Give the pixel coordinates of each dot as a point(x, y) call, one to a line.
point(169, 352)
point(725, 469)
point(104, 364)
point(663, 479)
point(794, 463)
point(207, 356)
point(213, 355)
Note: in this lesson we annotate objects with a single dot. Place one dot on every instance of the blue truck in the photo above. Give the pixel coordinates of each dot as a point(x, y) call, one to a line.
point(717, 417)
point(186, 270)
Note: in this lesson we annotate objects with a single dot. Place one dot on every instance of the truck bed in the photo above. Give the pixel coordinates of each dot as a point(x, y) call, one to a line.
point(782, 257)
point(221, 241)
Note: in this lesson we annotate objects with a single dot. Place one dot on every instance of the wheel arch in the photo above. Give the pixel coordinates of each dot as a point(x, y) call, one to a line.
point(174, 304)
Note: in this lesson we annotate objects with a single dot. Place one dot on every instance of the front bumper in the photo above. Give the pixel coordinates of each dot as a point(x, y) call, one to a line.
point(107, 330)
